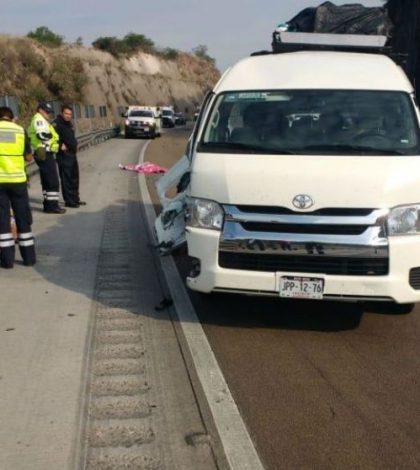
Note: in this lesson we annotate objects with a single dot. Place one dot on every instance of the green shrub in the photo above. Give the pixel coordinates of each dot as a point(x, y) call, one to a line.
point(201, 52)
point(169, 53)
point(109, 44)
point(130, 44)
point(67, 78)
point(136, 42)
point(45, 36)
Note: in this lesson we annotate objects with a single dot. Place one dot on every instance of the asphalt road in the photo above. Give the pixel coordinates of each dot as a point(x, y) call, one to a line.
point(321, 385)
point(91, 374)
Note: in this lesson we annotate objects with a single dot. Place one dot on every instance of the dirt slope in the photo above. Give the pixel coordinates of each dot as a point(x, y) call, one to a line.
point(92, 77)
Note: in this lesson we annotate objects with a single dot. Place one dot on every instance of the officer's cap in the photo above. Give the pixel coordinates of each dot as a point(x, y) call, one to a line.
point(45, 106)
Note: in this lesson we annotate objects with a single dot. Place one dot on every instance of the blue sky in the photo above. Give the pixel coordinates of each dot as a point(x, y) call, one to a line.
point(231, 30)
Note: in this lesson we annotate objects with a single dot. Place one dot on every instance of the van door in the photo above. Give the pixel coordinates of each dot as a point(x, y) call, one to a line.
point(170, 224)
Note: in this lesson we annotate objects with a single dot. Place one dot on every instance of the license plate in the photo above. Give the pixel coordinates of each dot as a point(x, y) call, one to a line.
point(301, 287)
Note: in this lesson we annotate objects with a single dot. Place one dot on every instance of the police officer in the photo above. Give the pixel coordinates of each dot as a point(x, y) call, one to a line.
point(44, 140)
point(15, 148)
point(66, 158)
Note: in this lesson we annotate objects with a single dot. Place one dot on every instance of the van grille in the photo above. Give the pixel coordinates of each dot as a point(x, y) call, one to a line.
point(331, 212)
point(305, 264)
point(415, 278)
point(336, 241)
point(325, 229)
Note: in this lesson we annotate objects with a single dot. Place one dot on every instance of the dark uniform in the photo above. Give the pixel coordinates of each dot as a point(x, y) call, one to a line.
point(44, 140)
point(67, 162)
point(14, 145)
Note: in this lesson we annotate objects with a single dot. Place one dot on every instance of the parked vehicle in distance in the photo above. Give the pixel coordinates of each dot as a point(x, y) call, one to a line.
point(168, 116)
point(301, 178)
point(180, 119)
point(141, 121)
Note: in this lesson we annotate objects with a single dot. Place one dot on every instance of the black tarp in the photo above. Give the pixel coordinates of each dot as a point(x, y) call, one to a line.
point(352, 18)
point(405, 38)
point(304, 21)
point(399, 20)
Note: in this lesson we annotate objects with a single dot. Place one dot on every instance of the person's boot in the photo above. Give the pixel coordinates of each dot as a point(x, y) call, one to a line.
point(7, 257)
point(54, 210)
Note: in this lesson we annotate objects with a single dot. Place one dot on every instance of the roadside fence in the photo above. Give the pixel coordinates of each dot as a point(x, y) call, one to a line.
point(84, 141)
point(11, 102)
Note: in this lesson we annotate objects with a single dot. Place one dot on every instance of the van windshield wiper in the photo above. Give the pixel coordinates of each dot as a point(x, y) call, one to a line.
point(242, 148)
point(351, 148)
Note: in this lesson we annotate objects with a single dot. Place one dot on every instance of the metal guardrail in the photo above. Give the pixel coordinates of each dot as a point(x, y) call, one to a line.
point(84, 141)
point(96, 137)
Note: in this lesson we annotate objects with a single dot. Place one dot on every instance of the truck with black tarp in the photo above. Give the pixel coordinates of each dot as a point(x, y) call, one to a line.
point(398, 20)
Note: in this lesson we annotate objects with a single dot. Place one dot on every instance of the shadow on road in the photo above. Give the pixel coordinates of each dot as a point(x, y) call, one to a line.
point(253, 312)
point(261, 312)
point(268, 312)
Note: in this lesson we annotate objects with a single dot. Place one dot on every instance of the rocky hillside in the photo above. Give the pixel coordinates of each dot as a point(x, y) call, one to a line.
point(97, 79)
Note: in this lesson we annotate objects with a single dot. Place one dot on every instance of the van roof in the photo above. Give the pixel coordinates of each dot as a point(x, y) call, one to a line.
point(315, 70)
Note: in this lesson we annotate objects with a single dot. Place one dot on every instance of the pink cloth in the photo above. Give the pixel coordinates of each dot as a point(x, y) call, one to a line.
point(145, 167)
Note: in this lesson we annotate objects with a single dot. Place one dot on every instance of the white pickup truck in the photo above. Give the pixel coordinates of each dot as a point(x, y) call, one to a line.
point(304, 178)
point(142, 121)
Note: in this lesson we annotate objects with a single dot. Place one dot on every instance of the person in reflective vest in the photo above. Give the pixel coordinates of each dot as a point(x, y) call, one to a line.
point(44, 141)
point(15, 148)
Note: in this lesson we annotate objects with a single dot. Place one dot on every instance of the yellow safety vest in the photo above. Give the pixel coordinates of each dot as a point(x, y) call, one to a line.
point(12, 150)
point(40, 124)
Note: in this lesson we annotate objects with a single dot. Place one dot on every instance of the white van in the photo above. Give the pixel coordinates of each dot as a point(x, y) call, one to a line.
point(304, 181)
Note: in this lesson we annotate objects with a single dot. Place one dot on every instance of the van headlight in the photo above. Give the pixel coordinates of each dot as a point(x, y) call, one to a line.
point(202, 213)
point(404, 220)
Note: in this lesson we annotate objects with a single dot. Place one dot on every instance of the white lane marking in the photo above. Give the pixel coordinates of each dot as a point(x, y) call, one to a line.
point(237, 449)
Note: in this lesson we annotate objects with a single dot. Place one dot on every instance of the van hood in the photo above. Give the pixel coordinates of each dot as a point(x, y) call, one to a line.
point(331, 181)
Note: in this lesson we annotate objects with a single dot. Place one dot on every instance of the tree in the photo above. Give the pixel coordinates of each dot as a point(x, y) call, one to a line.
point(79, 41)
point(45, 36)
point(201, 52)
point(134, 42)
point(169, 53)
point(108, 44)
point(130, 44)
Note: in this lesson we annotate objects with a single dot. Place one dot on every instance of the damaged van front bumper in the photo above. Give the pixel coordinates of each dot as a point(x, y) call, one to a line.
point(389, 275)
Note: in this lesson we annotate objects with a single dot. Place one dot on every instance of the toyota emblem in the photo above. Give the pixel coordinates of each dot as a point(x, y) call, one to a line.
point(303, 201)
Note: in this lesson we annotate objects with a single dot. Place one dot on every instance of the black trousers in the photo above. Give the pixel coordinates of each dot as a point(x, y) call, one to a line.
point(68, 169)
point(49, 181)
point(15, 196)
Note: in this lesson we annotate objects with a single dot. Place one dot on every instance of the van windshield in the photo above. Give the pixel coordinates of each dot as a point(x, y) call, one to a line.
point(318, 122)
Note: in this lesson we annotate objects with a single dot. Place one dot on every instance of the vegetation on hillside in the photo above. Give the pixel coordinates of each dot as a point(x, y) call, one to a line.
point(45, 36)
point(133, 43)
point(201, 51)
point(42, 66)
point(27, 72)
point(130, 44)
